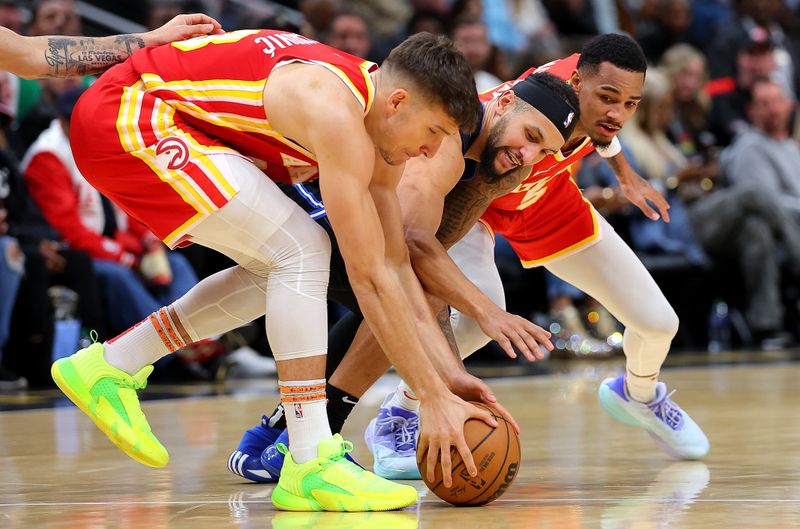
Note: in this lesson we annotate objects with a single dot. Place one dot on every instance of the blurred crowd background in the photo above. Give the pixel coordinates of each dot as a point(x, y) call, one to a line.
point(716, 132)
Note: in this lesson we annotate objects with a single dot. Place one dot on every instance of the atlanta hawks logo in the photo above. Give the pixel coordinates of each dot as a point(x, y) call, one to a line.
point(176, 149)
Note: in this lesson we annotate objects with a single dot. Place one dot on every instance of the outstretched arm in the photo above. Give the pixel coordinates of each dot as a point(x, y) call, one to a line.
point(424, 208)
point(64, 56)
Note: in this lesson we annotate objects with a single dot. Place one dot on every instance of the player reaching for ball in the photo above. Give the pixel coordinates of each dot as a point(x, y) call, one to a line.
point(189, 138)
point(522, 124)
point(548, 223)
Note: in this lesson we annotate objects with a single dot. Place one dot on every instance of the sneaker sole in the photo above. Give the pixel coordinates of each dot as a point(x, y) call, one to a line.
point(286, 501)
point(79, 396)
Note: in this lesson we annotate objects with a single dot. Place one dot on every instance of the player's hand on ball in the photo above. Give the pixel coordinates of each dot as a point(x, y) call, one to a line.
point(510, 330)
point(441, 427)
point(183, 27)
point(471, 388)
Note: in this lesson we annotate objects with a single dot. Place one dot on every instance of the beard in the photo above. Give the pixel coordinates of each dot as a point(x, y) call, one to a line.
point(486, 165)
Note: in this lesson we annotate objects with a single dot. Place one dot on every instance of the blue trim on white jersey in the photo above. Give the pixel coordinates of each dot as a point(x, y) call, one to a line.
point(319, 208)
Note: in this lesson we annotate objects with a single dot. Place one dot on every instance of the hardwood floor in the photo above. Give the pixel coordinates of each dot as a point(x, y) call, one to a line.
point(580, 469)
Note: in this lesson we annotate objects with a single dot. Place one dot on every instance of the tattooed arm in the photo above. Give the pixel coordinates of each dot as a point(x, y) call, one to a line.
point(423, 203)
point(468, 200)
point(637, 189)
point(64, 56)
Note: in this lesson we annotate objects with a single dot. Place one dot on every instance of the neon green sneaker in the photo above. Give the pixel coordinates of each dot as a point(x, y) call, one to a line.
point(108, 396)
point(332, 483)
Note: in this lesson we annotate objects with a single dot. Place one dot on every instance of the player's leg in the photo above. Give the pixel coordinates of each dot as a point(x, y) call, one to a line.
point(610, 272)
point(316, 474)
point(391, 436)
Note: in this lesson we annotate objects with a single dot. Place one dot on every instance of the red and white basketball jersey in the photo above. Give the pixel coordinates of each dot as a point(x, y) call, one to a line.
point(215, 84)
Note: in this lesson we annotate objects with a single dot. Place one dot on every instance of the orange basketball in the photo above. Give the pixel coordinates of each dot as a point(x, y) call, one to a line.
point(496, 454)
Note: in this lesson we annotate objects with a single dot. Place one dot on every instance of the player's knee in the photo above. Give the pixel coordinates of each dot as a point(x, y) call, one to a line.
point(659, 324)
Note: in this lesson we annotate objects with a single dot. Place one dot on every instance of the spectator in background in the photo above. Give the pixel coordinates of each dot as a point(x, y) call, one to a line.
point(670, 25)
point(54, 17)
point(470, 38)
point(36, 98)
point(760, 20)
point(427, 20)
point(120, 247)
point(755, 59)
point(765, 156)
point(11, 15)
point(12, 260)
point(162, 11)
point(46, 263)
point(349, 33)
point(319, 14)
point(686, 70)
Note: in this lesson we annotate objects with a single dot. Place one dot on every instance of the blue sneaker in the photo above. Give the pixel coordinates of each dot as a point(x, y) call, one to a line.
point(272, 458)
point(245, 461)
point(662, 418)
point(392, 438)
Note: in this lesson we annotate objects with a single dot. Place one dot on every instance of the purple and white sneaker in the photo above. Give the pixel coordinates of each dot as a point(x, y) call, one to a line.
point(245, 461)
point(662, 418)
point(392, 438)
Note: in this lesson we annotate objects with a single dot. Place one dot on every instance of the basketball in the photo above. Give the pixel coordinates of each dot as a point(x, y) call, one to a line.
point(496, 454)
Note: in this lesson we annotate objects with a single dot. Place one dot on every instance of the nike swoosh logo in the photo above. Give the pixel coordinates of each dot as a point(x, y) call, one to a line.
point(348, 401)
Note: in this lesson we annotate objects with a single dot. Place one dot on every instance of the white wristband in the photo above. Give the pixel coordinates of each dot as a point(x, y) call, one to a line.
point(610, 150)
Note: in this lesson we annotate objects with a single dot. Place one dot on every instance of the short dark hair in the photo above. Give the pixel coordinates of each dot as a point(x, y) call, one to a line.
point(619, 50)
point(441, 72)
point(758, 81)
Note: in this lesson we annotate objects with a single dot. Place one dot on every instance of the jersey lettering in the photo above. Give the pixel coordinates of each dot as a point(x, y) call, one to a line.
point(195, 43)
point(533, 191)
point(282, 41)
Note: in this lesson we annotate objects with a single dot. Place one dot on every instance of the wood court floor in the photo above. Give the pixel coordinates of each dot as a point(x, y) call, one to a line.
point(580, 469)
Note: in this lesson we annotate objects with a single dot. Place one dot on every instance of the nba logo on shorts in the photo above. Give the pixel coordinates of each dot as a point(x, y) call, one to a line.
point(298, 411)
point(176, 150)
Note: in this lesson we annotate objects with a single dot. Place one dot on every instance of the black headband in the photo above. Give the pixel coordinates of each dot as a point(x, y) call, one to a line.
point(542, 98)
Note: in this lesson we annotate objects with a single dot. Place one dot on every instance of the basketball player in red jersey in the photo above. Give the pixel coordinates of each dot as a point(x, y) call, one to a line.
point(64, 56)
point(547, 221)
point(181, 137)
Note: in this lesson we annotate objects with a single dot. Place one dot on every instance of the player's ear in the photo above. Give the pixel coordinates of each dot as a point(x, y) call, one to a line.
point(395, 99)
point(575, 80)
point(505, 102)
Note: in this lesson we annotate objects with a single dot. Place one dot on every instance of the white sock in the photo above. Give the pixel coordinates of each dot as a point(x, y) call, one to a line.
point(641, 388)
point(405, 398)
point(152, 338)
point(306, 411)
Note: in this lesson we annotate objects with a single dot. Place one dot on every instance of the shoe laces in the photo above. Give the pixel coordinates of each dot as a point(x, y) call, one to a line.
point(404, 431)
point(666, 410)
point(132, 382)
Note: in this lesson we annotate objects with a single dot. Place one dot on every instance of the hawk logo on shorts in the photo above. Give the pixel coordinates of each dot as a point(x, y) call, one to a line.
point(176, 149)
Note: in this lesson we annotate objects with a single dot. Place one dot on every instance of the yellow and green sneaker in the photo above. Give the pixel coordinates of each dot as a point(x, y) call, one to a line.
point(108, 396)
point(332, 483)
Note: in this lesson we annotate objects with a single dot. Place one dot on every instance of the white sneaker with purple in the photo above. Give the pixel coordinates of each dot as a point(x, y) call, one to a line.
point(662, 418)
point(392, 438)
